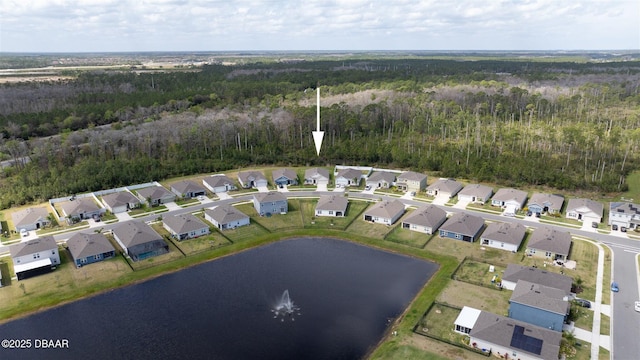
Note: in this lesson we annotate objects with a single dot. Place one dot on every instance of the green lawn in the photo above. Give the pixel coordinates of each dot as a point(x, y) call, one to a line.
point(478, 273)
point(276, 222)
point(247, 232)
point(308, 206)
point(438, 322)
point(408, 237)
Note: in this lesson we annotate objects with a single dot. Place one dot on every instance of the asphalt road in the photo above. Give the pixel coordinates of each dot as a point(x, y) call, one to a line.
point(625, 321)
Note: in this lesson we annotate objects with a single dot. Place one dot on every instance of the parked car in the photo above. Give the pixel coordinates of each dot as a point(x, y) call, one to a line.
point(614, 287)
point(584, 303)
point(24, 233)
point(594, 225)
point(637, 306)
point(529, 213)
point(623, 229)
point(368, 187)
point(614, 227)
point(96, 218)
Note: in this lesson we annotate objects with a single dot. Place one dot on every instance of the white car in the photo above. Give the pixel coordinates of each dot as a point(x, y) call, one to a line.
point(637, 306)
point(24, 232)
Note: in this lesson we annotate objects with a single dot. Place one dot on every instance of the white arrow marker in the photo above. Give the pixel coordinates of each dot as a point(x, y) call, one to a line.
point(318, 135)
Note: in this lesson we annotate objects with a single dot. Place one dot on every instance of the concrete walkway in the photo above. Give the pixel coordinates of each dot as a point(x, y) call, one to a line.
point(594, 336)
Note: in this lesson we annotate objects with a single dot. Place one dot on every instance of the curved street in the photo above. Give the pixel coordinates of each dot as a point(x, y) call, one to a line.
point(625, 324)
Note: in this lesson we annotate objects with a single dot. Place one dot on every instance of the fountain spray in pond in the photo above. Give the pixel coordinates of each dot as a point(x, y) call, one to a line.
point(286, 308)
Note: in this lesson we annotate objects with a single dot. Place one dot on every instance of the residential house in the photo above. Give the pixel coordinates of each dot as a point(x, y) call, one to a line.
point(89, 248)
point(316, 176)
point(226, 217)
point(462, 226)
point(549, 243)
point(514, 273)
point(504, 236)
point(545, 203)
point(120, 202)
point(475, 193)
point(426, 219)
point(187, 189)
point(385, 212)
point(332, 205)
point(156, 195)
point(32, 218)
point(444, 187)
point(284, 177)
point(219, 183)
point(34, 257)
point(466, 320)
point(585, 209)
point(270, 203)
point(624, 214)
point(381, 180)
point(252, 179)
point(348, 177)
point(185, 226)
point(539, 305)
point(510, 338)
point(139, 240)
point(410, 181)
point(510, 199)
point(80, 209)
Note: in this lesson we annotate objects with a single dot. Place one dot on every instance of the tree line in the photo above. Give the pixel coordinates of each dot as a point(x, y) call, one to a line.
point(564, 125)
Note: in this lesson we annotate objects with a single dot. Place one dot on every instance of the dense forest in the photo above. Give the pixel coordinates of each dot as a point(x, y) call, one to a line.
point(567, 125)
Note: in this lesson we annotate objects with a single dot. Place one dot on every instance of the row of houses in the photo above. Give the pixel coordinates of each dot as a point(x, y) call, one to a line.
point(544, 242)
point(539, 306)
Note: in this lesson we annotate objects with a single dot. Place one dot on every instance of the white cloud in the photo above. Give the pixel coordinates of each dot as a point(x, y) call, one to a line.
point(130, 25)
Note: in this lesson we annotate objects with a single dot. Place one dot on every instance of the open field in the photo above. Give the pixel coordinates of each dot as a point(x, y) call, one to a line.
point(276, 222)
point(408, 237)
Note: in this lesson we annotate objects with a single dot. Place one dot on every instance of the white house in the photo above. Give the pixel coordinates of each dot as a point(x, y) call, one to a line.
point(475, 193)
point(120, 202)
point(219, 183)
point(348, 177)
point(508, 198)
point(624, 214)
point(34, 257)
point(444, 187)
point(584, 209)
point(332, 205)
point(31, 218)
point(185, 226)
point(252, 179)
point(226, 217)
point(385, 212)
point(426, 219)
point(316, 176)
point(381, 179)
point(504, 236)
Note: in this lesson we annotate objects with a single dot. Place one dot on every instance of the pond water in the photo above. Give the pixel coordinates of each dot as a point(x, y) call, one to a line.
point(345, 295)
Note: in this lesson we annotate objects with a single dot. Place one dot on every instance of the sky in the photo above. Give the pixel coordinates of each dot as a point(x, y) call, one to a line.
point(231, 25)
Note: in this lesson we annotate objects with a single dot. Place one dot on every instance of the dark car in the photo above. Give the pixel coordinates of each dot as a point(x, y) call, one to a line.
point(594, 225)
point(96, 218)
point(623, 229)
point(584, 303)
point(614, 227)
point(529, 213)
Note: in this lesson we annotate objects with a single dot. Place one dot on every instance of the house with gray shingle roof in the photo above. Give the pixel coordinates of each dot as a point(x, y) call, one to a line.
point(624, 214)
point(381, 179)
point(156, 195)
point(348, 177)
point(219, 183)
point(226, 217)
point(120, 202)
point(188, 189)
point(506, 337)
point(332, 205)
point(514, 273)
point(508, 197)
point(410, 181)
point(475, 193)
point(252, 179)
point(185, 226)
point(316, 176)
point(89, 248)
point(462, 226)
point(284, 177)
point(34, 257)
point(548, 243)
point(545, 203)
point(270, 203)
point(385, 212)
point(139, 240)
point(32, 218)
point(444, 187)
point(504, 236)
point(426, 219)
point(584, 209)
point(80, 209)
point(539, 305)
